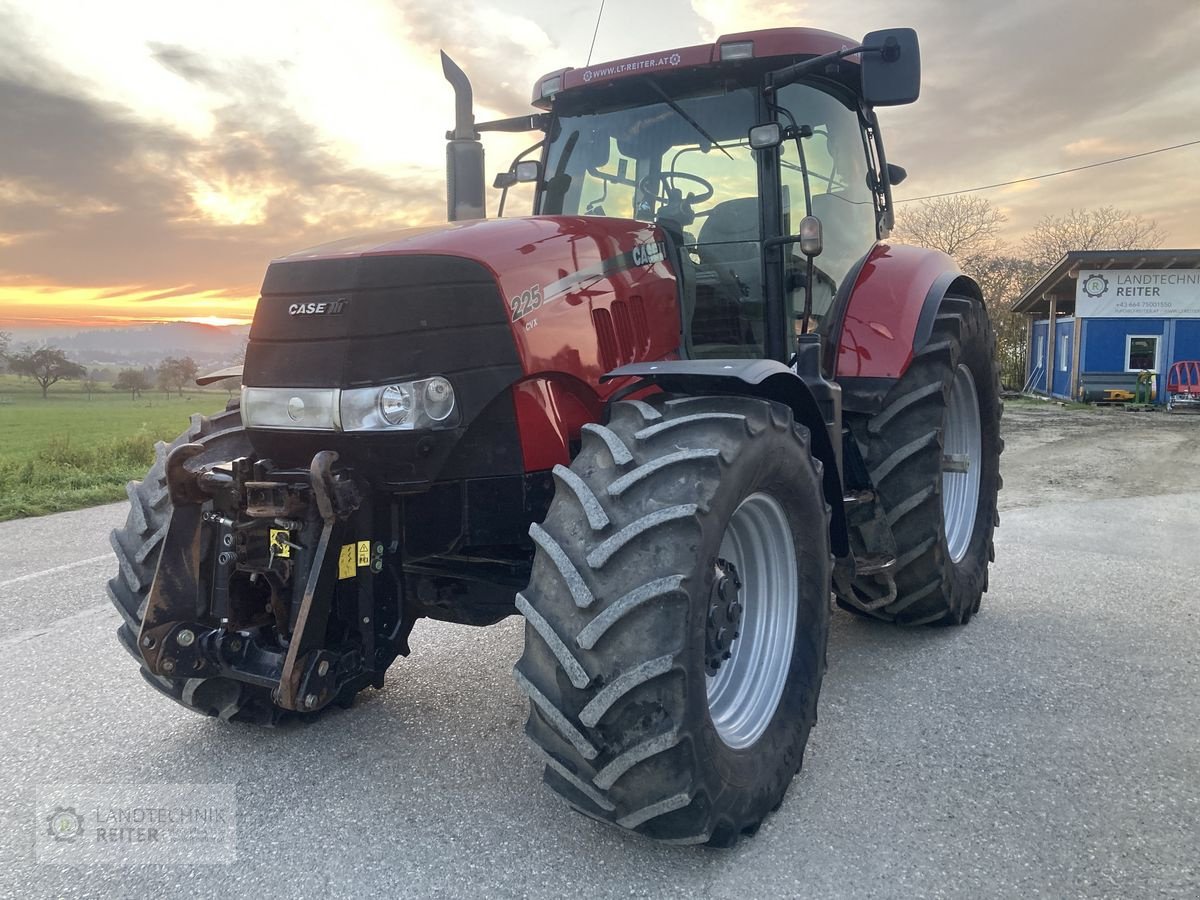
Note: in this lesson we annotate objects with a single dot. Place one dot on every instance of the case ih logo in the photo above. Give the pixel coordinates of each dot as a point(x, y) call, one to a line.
point(319, 307)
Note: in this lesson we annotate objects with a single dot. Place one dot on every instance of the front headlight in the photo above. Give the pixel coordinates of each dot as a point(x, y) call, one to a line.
point(408, 406)
point(405, 406)
point(293, 409)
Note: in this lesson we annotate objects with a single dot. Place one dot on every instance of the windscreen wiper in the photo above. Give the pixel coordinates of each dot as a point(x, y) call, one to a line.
point(679, 109)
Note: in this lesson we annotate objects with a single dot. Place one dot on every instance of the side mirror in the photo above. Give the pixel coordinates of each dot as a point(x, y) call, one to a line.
point(812, 240)
point(891, 67)
point(763, 137)
point(524, 172)
point(896, 174)
point(527, 171)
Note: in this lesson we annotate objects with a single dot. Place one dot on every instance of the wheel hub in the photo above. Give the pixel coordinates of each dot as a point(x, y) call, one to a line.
point(724, 615)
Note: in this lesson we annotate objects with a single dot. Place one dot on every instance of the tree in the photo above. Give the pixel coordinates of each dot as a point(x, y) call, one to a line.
point(963, 226)
point(88, 384)
point(1105, 228)
point(175, 374)
point(1003, 279)
point(968, 229)
point(45, 365)
point(132, 380)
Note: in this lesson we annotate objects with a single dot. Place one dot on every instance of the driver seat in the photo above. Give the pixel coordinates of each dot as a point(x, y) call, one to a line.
point(728, 241)
point(729, 281)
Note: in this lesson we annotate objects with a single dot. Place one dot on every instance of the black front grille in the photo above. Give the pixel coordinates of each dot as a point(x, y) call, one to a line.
point(376, 320)
point(398, 317)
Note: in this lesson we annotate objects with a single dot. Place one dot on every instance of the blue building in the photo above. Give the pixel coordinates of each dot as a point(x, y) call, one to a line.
point(1100, 318)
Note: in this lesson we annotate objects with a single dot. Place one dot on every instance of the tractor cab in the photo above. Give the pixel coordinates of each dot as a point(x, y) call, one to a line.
point(686, 164)
point(728, 148)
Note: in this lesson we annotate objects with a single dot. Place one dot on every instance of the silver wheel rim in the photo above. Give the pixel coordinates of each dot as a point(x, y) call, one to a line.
point(962, 454)
point(745, 692)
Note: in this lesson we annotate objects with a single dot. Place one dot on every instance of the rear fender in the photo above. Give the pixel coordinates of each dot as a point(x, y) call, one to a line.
point(888, 318)
point(765, 378)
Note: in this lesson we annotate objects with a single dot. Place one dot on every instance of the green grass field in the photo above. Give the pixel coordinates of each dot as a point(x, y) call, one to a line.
point(67, 451)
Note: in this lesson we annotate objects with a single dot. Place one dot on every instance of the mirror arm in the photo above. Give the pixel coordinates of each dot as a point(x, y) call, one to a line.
point(783, 77)
point(516, 124)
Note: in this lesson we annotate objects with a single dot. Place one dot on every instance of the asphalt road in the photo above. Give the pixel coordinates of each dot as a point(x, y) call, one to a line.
point(1051, 748)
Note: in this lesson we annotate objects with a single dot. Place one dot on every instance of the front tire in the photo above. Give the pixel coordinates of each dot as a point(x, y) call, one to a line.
point(677, 617)
point(138, 546)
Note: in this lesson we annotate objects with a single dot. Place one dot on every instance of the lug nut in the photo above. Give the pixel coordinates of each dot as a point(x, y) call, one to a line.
point(147, 641)
point(168, 665)
point(310, 701)
point(185, 638)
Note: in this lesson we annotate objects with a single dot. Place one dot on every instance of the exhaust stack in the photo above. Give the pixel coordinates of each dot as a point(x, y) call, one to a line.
point(464, 152)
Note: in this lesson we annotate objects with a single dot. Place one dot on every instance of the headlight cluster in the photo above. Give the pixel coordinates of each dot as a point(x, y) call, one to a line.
point(405, 406)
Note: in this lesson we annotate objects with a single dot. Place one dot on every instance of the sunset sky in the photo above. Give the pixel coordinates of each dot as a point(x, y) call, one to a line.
point(154, 156)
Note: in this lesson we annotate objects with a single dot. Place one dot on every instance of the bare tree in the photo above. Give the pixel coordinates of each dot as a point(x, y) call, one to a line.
point(968, 229)
point(964, 227)
point(45, 365)
point(1104, 228)
point(1003, 279)
point(88, 384)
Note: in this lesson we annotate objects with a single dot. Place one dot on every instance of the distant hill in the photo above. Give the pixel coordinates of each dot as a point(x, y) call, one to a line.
point(144, 345)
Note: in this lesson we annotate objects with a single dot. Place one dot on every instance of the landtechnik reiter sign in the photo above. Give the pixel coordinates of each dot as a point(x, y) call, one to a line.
point(1154, 293)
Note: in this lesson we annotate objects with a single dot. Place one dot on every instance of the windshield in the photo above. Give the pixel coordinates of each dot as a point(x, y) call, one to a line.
point(625, 162)
point(685, 166)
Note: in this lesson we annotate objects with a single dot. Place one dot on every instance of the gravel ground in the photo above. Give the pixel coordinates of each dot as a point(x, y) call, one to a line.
point(1050, 749)
point(1054, 454)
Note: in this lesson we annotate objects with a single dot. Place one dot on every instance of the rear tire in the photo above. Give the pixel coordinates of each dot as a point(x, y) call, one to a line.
point(618, 639)
point(942, 520)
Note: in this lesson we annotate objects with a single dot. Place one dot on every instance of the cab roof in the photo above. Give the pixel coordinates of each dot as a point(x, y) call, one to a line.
point(771, 42)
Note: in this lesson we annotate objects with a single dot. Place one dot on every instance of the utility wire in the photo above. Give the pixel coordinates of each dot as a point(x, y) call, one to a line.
point(1107, 162)
point(595, 31)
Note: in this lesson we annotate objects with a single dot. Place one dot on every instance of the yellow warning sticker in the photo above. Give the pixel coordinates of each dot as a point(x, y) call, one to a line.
point(364, 553)
point(346, 566)
point(279, 543)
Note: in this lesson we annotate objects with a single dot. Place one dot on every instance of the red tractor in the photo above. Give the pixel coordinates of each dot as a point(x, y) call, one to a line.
point(666, 418)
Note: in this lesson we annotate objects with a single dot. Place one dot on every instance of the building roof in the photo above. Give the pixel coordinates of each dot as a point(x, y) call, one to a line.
point(1059, 280)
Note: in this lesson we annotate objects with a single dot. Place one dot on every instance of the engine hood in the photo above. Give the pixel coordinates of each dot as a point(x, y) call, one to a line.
point(544, 268)
point(518, 251)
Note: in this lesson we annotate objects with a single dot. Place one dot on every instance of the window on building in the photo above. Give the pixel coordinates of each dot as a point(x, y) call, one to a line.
point(1141, 352)
point(1064, 358)
point(1040, 352)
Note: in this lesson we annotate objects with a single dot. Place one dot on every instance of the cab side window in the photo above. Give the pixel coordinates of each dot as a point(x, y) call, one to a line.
point(836, 157)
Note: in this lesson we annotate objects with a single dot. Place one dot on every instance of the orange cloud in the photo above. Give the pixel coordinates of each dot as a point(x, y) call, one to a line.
point(30, 305)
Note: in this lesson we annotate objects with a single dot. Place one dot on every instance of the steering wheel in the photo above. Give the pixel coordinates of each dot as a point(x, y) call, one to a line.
point(650, 185)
